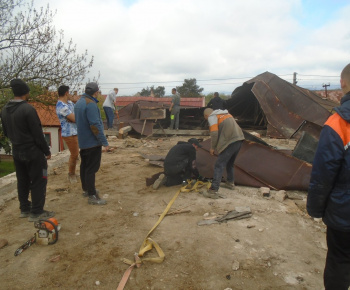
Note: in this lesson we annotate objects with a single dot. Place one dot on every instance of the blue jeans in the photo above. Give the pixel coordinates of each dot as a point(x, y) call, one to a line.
point(225, 159)
point(110, 116)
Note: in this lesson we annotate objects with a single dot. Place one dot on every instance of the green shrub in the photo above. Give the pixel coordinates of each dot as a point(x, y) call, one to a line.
point(6, 167)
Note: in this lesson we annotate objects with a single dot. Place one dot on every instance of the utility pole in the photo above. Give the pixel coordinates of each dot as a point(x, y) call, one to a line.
point(295, 78)
point(325, 88)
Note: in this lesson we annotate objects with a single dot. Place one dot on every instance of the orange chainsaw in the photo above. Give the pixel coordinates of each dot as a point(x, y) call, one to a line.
point(47, 234)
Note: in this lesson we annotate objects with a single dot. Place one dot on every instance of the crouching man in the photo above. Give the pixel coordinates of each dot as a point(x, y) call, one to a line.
point(179, 164)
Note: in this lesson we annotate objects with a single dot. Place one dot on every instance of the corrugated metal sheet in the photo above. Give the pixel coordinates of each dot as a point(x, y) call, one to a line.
point(258, 165)
point(285, 110)
point(184, 102)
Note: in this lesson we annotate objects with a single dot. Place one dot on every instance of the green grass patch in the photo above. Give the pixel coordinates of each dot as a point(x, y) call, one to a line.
point(6, 167)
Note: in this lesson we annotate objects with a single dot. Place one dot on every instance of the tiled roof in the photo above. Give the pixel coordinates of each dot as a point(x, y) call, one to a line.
point(333, 95)
point(47, 114)
point(185, 102)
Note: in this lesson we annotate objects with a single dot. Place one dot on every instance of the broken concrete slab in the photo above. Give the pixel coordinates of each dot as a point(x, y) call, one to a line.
point(280, 195)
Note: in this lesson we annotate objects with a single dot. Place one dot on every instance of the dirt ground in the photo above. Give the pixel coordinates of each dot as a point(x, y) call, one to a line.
point(279, 247)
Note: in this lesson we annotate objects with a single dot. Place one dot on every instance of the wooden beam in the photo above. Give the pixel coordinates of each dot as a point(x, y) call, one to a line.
point(181, 132)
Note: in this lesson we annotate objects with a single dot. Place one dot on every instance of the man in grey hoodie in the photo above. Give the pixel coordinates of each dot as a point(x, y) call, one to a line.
point(226, 139)
point(21, 124)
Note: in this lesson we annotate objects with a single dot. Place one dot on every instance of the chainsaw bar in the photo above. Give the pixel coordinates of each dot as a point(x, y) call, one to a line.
point(26, 245)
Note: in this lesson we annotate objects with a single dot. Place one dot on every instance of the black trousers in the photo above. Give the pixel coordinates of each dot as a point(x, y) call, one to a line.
point(31, 172)
point(178, 173)
point(89, 165)
point(337, 270)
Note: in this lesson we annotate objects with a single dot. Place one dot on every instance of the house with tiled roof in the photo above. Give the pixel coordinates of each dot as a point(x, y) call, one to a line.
point(184, 102)
point(51, 126)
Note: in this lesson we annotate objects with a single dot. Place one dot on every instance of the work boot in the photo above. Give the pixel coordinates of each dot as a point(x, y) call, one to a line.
point(229, 185)
point(212, 193)
point(41, 216)
point(160, 181)
point(96, 200)
point(86, 194)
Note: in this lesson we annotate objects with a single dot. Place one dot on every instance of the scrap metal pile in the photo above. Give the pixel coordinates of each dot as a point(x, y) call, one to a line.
point(266, 103)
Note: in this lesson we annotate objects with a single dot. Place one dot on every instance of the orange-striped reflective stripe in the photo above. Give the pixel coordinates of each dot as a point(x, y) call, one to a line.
point(214, 127)
point(342, 127)
point(222, 118)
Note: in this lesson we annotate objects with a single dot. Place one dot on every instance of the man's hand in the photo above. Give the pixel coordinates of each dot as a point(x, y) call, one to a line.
point(48, 156)
point(106, 148)
point(212, 151)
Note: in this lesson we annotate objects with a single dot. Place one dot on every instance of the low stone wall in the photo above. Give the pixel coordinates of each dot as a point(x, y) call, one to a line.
point(8, 183)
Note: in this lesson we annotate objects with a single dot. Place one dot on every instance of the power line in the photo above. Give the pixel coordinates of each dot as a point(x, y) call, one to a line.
point(319, 76)
point(164, 82)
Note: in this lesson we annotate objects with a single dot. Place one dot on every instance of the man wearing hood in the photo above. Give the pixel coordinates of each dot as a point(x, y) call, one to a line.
point(329, 190)
point(91, 138)
point(179, 164)
point(21, 124)
point(226, 140)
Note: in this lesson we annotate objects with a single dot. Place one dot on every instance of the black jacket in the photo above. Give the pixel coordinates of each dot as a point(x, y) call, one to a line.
point(179, 156)
point(21, 124)
point(217, 103)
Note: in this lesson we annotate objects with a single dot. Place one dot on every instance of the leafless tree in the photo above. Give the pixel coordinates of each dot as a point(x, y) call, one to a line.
point(32, 49)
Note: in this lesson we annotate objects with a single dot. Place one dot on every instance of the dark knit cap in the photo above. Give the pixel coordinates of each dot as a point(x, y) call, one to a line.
point(19, 87)
point(195, 142)
point(91, 88)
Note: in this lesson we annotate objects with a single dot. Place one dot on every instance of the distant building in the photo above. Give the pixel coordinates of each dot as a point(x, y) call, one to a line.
point(333, 95)
point(51, 126)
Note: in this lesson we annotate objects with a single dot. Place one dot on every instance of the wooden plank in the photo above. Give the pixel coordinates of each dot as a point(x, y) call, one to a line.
point(181, 132)
point(111, 132)
point(125, 129)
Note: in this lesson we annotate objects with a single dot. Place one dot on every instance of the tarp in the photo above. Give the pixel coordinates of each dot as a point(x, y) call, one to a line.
point(270, 103)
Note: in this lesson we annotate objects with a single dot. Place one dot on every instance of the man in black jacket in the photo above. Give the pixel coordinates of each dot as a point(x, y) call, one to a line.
point(217, 103)
point(179, 164)
point(21, 124)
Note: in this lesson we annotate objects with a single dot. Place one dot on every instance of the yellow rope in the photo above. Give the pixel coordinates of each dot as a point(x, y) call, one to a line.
point(148, 244)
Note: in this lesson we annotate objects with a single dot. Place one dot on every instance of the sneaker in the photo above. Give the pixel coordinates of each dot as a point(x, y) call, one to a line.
point(160, 181)
point(72, 178)
point(86, 194)
point(229, 185)
point(95, 199)
point(24, 214)
point(41, 216)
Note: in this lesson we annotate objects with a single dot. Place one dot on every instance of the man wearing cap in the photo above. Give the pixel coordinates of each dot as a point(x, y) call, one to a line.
point(91, 138)
point(179, 164)
point(226, 139)
point(21, 124)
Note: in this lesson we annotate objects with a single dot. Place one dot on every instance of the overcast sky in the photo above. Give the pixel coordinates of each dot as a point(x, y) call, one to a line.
point(221, 43)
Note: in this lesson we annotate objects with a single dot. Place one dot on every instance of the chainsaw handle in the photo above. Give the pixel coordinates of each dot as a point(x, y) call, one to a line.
point(55, 228)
